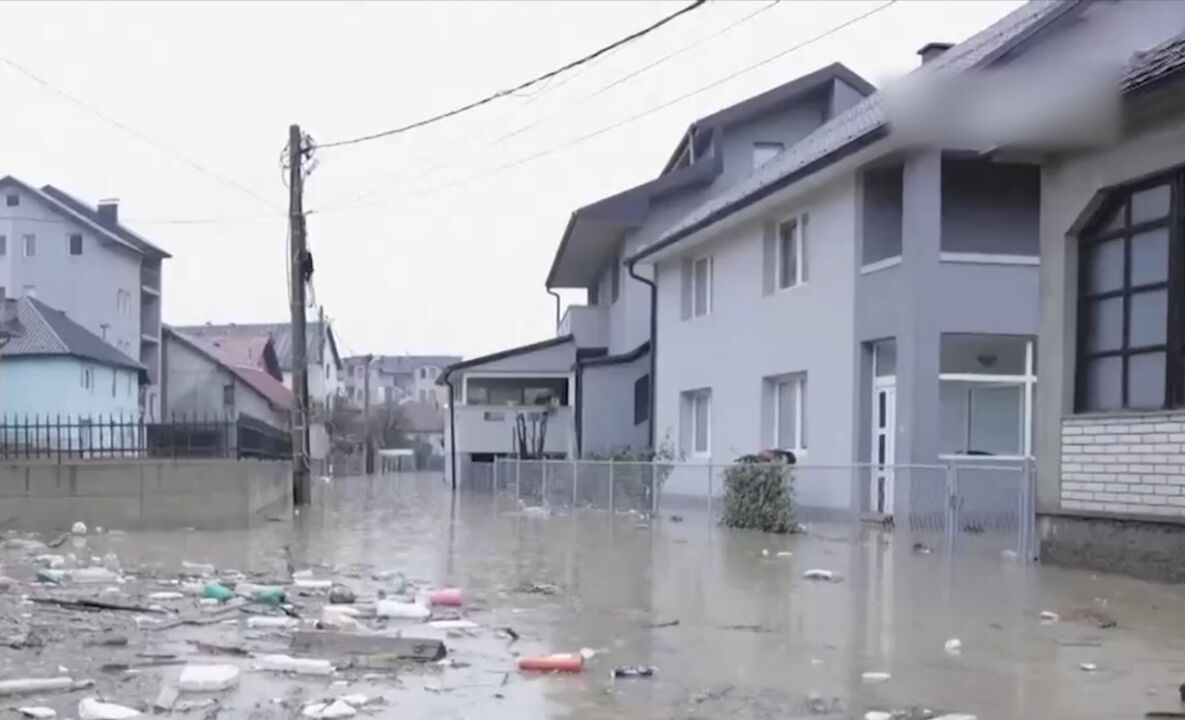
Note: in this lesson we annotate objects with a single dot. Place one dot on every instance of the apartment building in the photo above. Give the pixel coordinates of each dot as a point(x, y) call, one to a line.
point(82, 261)
point(396, 378)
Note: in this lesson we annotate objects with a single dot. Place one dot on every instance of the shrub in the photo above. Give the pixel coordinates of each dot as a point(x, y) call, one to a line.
point(759, 496)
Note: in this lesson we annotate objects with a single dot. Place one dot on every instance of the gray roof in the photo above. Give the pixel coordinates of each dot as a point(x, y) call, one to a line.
point(1154, 65)
point(92, 214)
point(861, 122)
point(280, 333)
point(48, 332)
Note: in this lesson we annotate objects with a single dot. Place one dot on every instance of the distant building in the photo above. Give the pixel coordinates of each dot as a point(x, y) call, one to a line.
point(324, 362)
point(423, 424)
point(52, 367)
point(80, 260)
point(397, 378)
point(200, 381)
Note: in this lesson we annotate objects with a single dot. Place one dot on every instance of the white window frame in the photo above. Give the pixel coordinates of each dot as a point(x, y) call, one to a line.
point(779, 382)
point(695, 286)
point(799, 253)
point(1028, 382)
point(695, 397)
point(29, 245)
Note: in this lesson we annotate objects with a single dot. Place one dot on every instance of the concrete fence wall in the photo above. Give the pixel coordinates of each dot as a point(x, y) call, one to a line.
point(157, 494)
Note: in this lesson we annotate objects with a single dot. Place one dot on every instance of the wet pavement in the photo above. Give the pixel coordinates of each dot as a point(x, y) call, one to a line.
point(726, 617)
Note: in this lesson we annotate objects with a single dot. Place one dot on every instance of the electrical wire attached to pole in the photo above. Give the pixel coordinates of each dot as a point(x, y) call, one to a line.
point(521, 86)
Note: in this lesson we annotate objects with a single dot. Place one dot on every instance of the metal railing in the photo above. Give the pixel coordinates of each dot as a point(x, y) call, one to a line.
point(973, 503)
point(38, 437)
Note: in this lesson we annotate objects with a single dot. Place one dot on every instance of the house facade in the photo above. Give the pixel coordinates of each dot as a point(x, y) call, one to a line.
point(54, 370)
point(1111, 486)
point(396, 378)
point(597, 374)
point(82, 261)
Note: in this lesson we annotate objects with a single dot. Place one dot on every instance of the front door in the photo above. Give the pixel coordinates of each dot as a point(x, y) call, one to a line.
point(884, 423)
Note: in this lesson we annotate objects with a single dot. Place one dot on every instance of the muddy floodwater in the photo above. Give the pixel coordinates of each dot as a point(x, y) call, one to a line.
point(726, 617)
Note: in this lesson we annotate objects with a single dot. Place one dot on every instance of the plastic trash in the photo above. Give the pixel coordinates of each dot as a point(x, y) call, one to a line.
point(302, 575)
point(166, 595)
point(878, 715)
point(217, 591)
point(78, 528)
point(633, 671)
point(21, 686)
point(957, 716)
point(51, 575)
point(50, 560)
point(38, 713)
point(338, 620)
point(784, 553)
point(298, 666)
point(355, 700)
point(954, 646)
point(270, 622)
point(875, 677)
point(342, 596)
point(94, 709)
point(1088, 667)
point(446, 597)
point(402, 610)
point(817, 574)
point(1049, 617)
point(329, 710)
point(94, 575)
point(193, 568)
point(208, 678)
point(552, 663)
point(453, 625)
point(262, 594)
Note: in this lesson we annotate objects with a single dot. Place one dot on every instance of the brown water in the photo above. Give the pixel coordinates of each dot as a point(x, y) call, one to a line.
point(753, 638)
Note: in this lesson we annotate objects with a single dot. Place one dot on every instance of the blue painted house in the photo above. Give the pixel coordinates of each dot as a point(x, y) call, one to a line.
point(51, 366)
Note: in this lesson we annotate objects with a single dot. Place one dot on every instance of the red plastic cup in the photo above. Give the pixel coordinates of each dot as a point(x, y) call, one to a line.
point(447, 597)
point(552, 663)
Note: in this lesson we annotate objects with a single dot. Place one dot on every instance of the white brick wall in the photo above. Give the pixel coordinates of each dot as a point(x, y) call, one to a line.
point(1133, 465)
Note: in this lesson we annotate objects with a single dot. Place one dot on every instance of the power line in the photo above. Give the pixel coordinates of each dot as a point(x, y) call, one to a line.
point(521, 86)
point(363, 195)
point(136, 133)
point(631, 119)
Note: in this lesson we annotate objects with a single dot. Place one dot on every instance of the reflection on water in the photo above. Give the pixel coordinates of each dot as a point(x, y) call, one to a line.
point(753, 638)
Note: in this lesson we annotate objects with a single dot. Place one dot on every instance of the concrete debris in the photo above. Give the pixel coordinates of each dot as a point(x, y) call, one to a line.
point(23, 686)
point(165, 699)
point(78, 528)
point(95, 709)
point(208, 678)
point(37, 712)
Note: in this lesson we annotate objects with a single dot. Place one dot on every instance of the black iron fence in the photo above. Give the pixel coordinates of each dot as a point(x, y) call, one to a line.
point(35, 437)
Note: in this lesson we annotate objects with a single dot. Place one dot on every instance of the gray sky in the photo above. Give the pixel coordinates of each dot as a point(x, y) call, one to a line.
point(420, 246)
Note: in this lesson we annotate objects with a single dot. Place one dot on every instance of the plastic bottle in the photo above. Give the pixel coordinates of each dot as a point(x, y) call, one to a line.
point(552, 663)
point(217, 591)
point(94, 575)
point(446, 597)
point(32, 685)
point(270, 621)
point(300, 666)
point(402, 610)
point(50, 575)
point(634, 671)
point(262, 594)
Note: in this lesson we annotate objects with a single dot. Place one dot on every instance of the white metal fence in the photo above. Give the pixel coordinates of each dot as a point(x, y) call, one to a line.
point(972, 503)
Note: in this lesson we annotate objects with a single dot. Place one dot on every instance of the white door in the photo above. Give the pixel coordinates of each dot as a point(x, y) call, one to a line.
point(884, 423)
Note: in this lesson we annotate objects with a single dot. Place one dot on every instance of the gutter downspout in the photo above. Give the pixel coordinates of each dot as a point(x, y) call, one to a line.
point(452, 430)
point(653, 339)
point(555, 295)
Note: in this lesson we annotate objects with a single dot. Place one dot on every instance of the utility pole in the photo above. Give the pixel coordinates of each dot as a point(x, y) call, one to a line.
point(368, 454)
point(300, 363)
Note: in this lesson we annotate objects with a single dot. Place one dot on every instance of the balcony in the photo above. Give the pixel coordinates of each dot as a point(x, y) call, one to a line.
point(150, 280)
point(587, 324)
point(490, 428)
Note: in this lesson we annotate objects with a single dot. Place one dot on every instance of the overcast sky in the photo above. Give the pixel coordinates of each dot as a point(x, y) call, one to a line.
point(422, 243)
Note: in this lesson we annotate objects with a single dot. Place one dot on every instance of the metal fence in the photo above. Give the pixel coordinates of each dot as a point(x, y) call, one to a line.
point(111, 437)
point(978, 504)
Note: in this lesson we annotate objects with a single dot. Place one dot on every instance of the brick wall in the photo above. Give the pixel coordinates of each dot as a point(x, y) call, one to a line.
point(1133, 465)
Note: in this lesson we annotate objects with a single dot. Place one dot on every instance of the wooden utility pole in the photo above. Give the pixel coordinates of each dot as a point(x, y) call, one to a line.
point(368, 454)
point(300, 363)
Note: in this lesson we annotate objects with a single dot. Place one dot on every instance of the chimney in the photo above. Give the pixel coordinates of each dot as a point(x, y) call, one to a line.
point(109, 211)
point(932, 50)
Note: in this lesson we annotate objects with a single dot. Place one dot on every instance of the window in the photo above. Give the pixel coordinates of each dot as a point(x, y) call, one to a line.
point(791, 252)
point(30, 245)
point(788, 402)
point(87, 379)
point(614, 281)
point(3, 245)
point(12, 200)
point(701, 287)
point(763, 152)
point(641, 400)
point(1129, 347)
point(698, 414)
point(986, 385)
point(228, 395)
point(123, 302)
point(29, 291)
point(129, 385)
point(76, 244)
point(114, 381)
point(547, 391)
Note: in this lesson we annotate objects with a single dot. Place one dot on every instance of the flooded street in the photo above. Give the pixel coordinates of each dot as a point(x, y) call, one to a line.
point(726, 617)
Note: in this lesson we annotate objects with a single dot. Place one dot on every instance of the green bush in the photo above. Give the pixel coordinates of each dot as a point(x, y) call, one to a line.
point(759, 496)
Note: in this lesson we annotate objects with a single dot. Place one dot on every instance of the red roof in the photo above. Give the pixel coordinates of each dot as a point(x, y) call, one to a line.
point(274, 391)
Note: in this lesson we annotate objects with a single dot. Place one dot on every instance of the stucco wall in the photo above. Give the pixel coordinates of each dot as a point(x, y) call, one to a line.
point(194, 387)
point(607, 400)
point(51, 386)
point(204, 494)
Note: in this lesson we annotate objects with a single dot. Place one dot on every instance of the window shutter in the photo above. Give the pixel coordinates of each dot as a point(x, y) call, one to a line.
point(804, 245)
point(687, 270)
point(769, 257)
